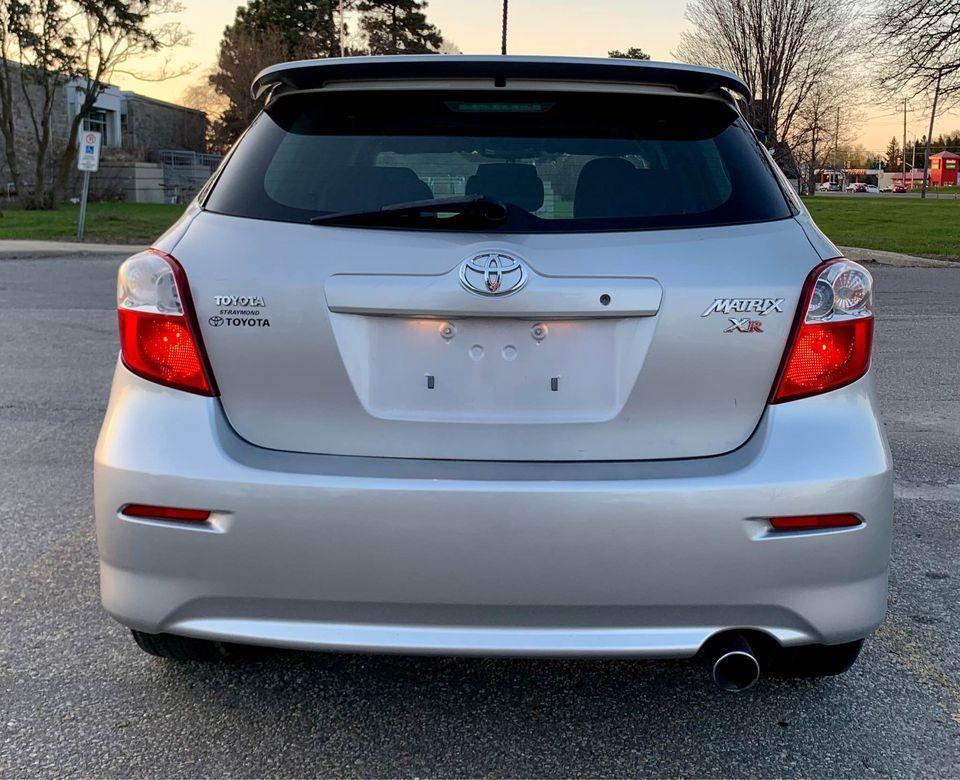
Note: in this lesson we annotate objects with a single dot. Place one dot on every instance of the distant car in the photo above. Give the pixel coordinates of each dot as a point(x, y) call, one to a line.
point(856, 186)
point(872, 189)
point(899, 188)
point(829, 186)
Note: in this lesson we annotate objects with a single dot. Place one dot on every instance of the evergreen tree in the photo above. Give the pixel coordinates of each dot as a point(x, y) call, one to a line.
point(309, 27)
point(893, 155)
point(633, 53)
point(265, 32)
point(398, 27)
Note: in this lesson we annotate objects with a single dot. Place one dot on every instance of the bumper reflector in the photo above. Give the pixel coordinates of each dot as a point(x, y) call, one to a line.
point(814, 522)
point(166, 513)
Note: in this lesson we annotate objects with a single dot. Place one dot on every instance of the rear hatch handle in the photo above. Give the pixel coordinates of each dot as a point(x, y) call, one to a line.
point(561, 297)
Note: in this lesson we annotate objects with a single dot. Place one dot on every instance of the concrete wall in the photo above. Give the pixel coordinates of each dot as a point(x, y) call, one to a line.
point(129, 181)
point(26, 143)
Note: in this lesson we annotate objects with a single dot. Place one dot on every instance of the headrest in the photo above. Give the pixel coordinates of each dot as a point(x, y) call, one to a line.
point(514, 183)
point(606, 187)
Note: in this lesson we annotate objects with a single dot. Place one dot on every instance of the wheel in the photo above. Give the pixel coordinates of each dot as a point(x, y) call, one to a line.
point(184, 648)
point(816, 660)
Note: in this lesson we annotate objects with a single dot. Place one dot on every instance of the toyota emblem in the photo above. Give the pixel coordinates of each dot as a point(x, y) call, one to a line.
point(493, 273)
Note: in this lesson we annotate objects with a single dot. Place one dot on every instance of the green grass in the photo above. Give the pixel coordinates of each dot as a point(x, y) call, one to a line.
point(928, 228)
point(111, 223)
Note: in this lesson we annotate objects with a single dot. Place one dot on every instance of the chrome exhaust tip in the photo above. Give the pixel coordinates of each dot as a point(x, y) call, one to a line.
point(735, 667)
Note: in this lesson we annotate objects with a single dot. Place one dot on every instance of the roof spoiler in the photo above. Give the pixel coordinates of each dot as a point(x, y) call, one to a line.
point(315, 74)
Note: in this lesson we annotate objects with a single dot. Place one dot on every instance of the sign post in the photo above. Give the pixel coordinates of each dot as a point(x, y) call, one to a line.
point(88, 160)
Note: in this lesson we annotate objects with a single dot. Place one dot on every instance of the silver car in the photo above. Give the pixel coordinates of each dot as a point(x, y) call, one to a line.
point(497, 356)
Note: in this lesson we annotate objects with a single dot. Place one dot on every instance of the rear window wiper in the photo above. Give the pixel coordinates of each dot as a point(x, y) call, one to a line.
point(490, 211)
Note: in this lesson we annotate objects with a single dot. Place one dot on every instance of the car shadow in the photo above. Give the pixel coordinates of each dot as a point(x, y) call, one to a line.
point(516, 717)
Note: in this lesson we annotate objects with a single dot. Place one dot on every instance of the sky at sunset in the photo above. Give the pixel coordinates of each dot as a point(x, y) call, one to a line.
point(562, 27)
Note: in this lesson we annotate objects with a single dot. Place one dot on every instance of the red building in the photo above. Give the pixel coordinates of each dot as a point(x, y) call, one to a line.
point(943, 169)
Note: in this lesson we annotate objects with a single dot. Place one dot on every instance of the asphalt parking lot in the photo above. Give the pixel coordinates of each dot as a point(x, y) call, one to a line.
point(77, 698)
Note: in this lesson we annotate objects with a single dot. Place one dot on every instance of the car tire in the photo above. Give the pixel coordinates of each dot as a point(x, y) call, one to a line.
point(184, 648)
point(816, 660)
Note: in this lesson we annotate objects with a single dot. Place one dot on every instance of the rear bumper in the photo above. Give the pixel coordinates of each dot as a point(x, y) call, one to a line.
point(453, 557)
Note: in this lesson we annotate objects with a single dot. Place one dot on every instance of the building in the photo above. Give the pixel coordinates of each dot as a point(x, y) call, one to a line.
point(943, 169)
point(138, 134)
point(913, 179)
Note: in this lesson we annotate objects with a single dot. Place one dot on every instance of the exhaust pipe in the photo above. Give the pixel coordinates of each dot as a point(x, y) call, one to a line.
point(734, 667)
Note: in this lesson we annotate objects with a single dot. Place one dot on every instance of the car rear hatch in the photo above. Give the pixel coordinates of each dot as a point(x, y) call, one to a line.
point(632, 301)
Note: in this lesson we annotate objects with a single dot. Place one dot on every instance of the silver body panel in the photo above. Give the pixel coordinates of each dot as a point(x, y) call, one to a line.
point(407, 555)
point(355, 320)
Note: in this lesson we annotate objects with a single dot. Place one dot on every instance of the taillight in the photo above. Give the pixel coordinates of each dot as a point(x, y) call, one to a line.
point(832, 336)
point(159, 336)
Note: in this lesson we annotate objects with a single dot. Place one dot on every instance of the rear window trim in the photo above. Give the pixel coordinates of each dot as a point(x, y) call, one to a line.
point(511, 231)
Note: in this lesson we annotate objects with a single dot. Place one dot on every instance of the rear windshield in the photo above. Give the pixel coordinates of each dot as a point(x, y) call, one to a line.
point(559, 162)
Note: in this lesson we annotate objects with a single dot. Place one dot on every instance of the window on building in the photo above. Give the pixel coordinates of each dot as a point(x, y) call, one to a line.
point(96, 121)
point(102, 121)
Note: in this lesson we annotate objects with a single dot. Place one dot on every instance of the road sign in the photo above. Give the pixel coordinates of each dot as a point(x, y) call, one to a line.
point(89, 157)
point(88, 161)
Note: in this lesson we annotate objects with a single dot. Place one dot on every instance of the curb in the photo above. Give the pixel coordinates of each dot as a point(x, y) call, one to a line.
point(14, 249)
point(893, 258)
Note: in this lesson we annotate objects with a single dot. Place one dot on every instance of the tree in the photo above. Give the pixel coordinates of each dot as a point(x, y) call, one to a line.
point(633, 53)
point(398, 27)
point(266, 32)
point(855, 155)
point(263, 33)
point(921, 43)
point(893, 155)
point(781, 49)
point(243, 54)
point(9, 22)
point(202, 96)
point(816, 132)
point(48, 43)
point(308, 28)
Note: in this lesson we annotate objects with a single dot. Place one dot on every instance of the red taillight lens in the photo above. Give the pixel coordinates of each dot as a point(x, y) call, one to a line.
point(825, 356)
point(814, 522)
point(150, 512)
point(833, 334)
point(159, 338)
point(161, 348)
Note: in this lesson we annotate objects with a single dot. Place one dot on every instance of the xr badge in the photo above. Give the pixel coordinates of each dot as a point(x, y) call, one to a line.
point(744, 326)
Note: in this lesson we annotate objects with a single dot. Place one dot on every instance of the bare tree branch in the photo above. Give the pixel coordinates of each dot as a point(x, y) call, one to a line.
point(782, 49)
point(921, 40)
